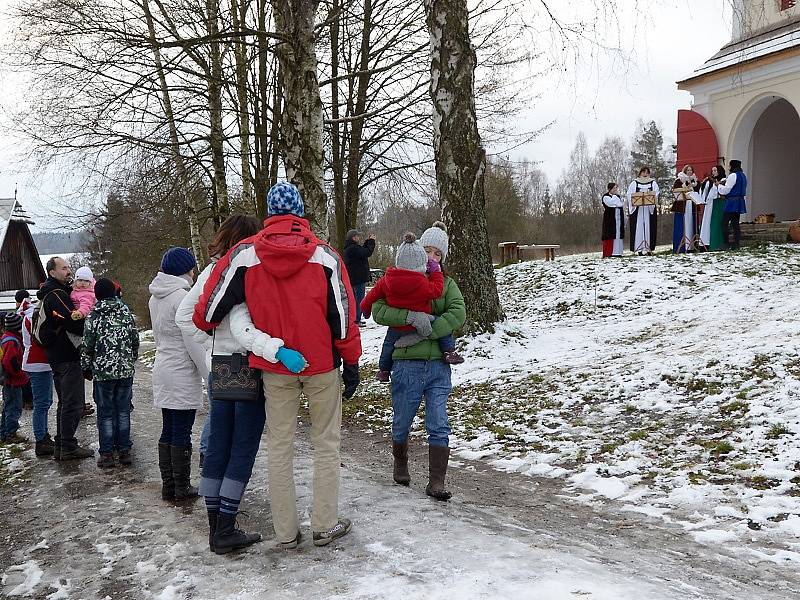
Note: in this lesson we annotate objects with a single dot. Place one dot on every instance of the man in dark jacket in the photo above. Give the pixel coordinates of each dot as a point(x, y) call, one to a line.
point(60, 337)
point(356, 259)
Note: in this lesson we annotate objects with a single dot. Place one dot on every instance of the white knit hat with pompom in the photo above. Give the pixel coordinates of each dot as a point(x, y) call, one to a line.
point(436, 236)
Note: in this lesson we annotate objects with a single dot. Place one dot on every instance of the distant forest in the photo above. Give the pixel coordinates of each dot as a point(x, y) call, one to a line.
point(57, 243)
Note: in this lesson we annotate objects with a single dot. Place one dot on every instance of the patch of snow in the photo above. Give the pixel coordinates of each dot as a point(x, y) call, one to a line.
point(24, 577)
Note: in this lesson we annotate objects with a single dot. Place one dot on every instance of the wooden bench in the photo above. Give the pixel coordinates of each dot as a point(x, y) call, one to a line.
point(513, 252)
point(549, 250)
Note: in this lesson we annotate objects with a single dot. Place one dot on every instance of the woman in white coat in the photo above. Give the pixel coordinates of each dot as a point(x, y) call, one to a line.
point(234, 427)
point(177, 387)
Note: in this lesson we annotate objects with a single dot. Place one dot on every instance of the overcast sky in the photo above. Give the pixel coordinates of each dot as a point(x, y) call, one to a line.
point(600, 96)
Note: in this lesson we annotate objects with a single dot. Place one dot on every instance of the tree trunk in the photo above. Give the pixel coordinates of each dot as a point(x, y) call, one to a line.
point(180, 166)
point(238, 16)
point(261, 113)
point(274, 138)
point(337, 165)
point(215, 112)
point(355, 155)
point(461, 161)
point(302, 121)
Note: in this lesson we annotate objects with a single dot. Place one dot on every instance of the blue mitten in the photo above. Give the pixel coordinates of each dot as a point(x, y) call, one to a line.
point(291, 359)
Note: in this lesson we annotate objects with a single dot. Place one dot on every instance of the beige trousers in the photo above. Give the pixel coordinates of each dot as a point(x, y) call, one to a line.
point(324, 393)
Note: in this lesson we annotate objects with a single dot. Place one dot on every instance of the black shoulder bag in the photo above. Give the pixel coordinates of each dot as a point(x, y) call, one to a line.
point(232, 378)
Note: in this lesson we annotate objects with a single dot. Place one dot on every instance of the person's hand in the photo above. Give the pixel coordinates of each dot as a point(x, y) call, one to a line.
point(420, 321)
point(76, 315)
point(291, 359)
point(351, 379)
point(434, 266)
point(87, 375)
point(371, 236)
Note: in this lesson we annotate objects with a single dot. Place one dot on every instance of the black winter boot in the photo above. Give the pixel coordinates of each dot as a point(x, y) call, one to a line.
point(228, 538)
point(165, 466)
point(437, 469)
point(181, 471)
point(212, 529)
point(400, 454)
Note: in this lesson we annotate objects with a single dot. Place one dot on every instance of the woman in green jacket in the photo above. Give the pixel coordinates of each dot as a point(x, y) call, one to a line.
point(419, 371)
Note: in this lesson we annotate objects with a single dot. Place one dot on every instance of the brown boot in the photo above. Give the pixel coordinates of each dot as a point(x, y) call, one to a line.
point(400, 453)
point(437, 469)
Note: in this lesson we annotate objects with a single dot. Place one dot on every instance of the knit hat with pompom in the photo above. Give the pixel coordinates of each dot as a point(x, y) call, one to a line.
point(411, 255)
point(436, 237)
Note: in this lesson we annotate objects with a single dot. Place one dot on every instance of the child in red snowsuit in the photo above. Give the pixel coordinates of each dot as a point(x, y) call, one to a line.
point(407, 286)
point(14, 379)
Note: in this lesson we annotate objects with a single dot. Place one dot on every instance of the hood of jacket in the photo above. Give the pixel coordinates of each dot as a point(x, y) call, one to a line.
point(109, 307)
point(285, 245)
point(163, 284)
point(403, 282)
point(50, 285)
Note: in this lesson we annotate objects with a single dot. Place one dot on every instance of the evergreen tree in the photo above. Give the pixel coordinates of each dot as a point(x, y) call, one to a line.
point(648, 149)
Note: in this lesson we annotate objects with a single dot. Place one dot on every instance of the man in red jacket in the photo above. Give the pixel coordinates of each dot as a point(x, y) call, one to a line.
point(14, 379)
point(297, 290)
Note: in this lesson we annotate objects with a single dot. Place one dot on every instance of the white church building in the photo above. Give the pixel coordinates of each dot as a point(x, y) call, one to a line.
point(745, 104)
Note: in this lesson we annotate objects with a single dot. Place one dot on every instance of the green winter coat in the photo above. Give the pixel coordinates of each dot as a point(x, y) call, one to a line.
point(110, 341)
point(449, 307)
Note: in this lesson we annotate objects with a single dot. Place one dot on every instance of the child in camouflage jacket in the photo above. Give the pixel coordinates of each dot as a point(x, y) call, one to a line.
point(108, 358)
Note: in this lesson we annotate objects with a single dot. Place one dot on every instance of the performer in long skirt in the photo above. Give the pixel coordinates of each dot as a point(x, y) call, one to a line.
point(711, 226)
point(643, 219)
point(613, 223)
point(683, 228)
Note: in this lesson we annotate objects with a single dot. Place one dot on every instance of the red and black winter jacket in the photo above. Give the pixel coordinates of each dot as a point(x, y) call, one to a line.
point(13, 351)
point(403, 288)
point(296, 288)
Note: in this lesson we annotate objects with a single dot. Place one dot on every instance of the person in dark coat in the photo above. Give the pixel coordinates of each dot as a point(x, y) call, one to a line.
point(356, 259)
point(61, 336)
point(613, 232)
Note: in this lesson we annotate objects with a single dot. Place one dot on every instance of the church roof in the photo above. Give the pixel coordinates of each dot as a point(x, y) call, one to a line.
point(758, 44)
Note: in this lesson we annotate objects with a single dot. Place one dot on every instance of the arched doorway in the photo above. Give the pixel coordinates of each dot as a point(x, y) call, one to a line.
point(767, 141)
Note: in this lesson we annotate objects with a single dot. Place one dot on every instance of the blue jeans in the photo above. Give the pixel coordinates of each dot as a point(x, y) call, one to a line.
point(176, 428)
point(205, 433)
point(411, 381)
point(235, 430)
point(113, 398)
point(359, 291)
point(446, 344)
point(12, 409)
point(42, 387)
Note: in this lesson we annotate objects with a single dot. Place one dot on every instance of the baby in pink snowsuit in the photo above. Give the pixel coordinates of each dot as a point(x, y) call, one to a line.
point(83, 293)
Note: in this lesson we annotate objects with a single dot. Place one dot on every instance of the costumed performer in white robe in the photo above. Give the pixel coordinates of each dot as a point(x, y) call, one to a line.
point(643, 220)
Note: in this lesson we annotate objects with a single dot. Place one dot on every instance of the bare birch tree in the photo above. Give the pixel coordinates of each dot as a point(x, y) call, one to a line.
point(461, 160)
point(301, 117)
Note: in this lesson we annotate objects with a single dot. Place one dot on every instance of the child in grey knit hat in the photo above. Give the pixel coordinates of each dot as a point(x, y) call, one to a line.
point(407, 286)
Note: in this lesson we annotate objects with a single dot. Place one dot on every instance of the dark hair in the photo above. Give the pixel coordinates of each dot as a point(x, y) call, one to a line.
point(644, 168)
point(611, 186)
point(720, 172)
point(51, 264)
point(21, 295)
point(736, 166)
point(232, 231)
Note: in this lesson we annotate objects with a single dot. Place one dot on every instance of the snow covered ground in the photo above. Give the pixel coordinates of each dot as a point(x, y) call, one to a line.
point(668, 386)
point(645, 447)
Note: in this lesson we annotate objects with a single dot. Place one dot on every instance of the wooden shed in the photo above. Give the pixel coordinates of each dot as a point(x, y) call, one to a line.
point(20, 267)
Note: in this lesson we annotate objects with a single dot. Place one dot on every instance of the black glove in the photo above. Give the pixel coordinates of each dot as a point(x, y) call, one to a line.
point(87, 375)
point(351, 378)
